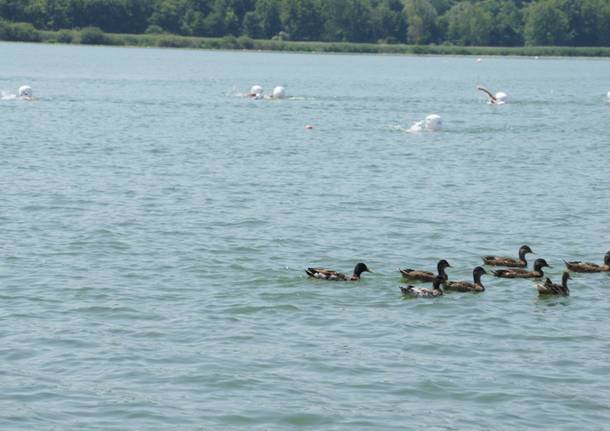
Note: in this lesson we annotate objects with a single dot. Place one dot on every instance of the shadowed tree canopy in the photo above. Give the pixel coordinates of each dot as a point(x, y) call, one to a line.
point(460, 22)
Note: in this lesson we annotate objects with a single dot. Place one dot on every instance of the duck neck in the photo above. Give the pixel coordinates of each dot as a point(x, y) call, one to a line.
point(564, 280)
point(538, 270)
point(477, 280)
point(522, 257)
point(441, 271)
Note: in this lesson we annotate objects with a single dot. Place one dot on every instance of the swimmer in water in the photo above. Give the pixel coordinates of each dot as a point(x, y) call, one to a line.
point(497, 99)
point(25, 93)
point(256, 92)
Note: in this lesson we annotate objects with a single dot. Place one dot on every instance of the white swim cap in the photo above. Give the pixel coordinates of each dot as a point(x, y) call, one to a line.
point(501, 97)
point(25, 91)
point(256, 89)
point(433, 122)
point(279, 92)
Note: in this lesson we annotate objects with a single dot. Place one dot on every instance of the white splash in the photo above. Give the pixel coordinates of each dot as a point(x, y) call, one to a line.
point(432, 123)
point(4, 95)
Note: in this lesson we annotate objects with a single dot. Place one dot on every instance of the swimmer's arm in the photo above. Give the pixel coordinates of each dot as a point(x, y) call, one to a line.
point(486, 91)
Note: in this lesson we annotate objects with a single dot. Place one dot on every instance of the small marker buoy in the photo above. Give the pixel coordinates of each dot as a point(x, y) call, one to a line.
point(479, 60)
point(308, 127)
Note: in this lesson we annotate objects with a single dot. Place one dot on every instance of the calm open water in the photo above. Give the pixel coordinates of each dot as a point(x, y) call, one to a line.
point(154, 228)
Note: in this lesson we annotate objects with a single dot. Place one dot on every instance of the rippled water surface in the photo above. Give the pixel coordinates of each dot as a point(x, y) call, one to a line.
point(154, 228)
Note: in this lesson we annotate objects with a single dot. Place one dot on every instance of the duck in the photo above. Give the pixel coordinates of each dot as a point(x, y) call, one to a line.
point(413, 274)
point(508, 261)
point(465, 286)
point(549, 288)
point(329, 274)
point(578, 266)
point(425, 291)
point(523, 273)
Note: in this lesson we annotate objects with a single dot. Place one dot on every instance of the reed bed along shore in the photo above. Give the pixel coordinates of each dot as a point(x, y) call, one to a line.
point(23, 32)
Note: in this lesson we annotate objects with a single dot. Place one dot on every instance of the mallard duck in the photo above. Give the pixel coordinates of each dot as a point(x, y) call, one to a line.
point(465, 286)
point(328, 274)
point(523, 273)
point(413, 274)
point(509, 261)
point(549, 288)
point(425, 291)
point(578, 266)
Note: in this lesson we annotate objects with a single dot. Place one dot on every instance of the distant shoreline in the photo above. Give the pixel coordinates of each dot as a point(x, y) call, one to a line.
point(94, 36)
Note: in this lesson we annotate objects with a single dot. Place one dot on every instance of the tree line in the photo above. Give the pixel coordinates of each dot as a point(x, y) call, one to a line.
point(458, 22)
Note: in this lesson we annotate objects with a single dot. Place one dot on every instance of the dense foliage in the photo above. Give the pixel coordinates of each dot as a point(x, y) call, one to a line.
point(469, 23)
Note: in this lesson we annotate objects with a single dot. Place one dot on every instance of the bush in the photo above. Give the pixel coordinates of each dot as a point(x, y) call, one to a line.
point(19, 32)
point(229, 42)
point(93, 36)
point(64, 36)
point(173, 42)
point(245, 42)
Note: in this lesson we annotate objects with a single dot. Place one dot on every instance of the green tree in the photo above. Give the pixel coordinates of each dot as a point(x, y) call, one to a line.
point(421, 21)
point(167, 15)
point(301, 19)
point(468, 24)
point(593, 27)
point(268, 13)
point(252, 25)
point(546, 24)
point(507, 29)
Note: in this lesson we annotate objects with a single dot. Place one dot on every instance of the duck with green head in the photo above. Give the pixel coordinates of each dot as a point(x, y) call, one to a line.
point(509, 261)
point(466, 286)
point(523, 273)
point(414, 274)
point(578, 266)
point(329, 274)
point(550, 288)
point(425, 291)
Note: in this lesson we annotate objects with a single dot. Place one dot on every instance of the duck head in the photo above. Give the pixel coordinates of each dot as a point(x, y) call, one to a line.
point(360, 268)
point(441, 265)
point(523, 250)
point(540, 263)
point(477, 273)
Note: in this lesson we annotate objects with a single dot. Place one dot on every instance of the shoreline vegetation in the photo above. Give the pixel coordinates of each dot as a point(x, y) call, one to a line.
point(25, 32)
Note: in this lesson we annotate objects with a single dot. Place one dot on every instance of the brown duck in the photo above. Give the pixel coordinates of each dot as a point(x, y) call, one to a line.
point(329, 274)
point(465, 286)
point(425, 291)
point(578, 266)
point(549, 288)
point(523, 273)
point(509, 261)
point(414, 274)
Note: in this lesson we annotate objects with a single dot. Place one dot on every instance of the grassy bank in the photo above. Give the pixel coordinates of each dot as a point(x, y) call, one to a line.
point(93, 36)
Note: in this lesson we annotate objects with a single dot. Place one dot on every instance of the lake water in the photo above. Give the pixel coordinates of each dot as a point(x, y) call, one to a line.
point(154, 228)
